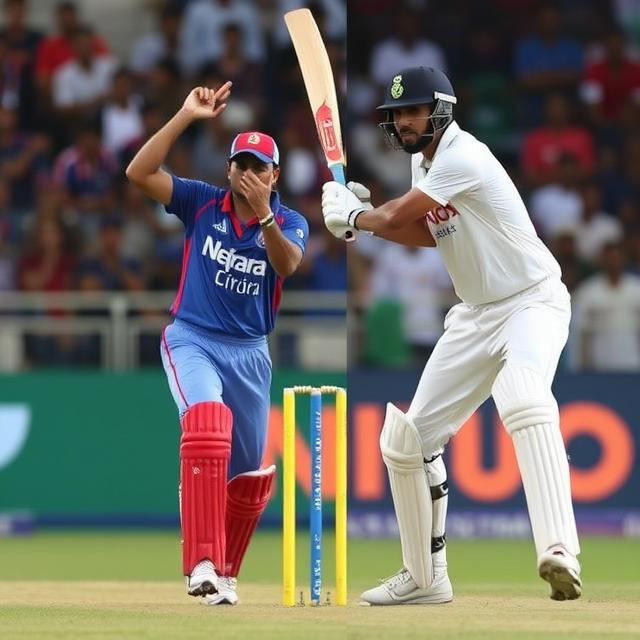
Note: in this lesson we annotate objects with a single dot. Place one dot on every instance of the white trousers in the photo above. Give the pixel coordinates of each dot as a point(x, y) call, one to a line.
point(527, 330)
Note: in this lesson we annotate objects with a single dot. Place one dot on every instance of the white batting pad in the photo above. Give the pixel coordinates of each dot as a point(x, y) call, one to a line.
point(530, 415)
point(543, 464)
point(402, 453)
point(523, 398)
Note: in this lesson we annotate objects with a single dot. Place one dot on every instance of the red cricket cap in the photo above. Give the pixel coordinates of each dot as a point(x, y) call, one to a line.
point(259, 144)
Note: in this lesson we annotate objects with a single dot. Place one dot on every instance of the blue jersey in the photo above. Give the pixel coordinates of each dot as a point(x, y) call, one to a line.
point(227, 284)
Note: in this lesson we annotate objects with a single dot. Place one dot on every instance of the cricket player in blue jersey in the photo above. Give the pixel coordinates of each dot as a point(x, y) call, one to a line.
point(240, 244)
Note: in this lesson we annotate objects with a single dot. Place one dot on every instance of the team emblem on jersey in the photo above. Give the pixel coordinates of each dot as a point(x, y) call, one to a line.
point(396, 87)
point(221, 226)
point(300, 233)
point(254, 138)
point(260, 240)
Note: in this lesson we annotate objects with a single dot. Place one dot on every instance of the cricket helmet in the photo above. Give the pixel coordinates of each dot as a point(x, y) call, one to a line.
point(417, 86)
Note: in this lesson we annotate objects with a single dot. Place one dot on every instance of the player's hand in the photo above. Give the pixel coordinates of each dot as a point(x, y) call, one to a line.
point(340, 207)
point(257, 193)
point(204, 102)
point(361, 192)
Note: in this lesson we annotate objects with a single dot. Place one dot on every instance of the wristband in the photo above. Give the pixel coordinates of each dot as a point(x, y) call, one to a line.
point(268, 221)
point(355, 215)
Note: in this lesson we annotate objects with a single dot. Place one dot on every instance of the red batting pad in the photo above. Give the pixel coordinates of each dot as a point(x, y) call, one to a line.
point(205, 448)
point(247, 497)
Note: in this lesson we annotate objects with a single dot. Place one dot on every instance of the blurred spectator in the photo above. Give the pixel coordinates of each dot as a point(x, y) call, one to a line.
point(9, 239)
point(56, 50)
point(559, 136)
point(232, 64)
point(47, 264)
point(163, 88)
point(147, 230)
point(121, 119)
point(484, 70)
point(151, 118)
point(87, 171)
point(304, 165)
point(559, 203)
point(331, 16)
point(22, 43)
point(596, 227)
point(211, 148)
point(201, 35)
point(11, 89)
point(21, 39)
point(629, 191)
point(107, 269)
point(627, 13)
point(377, 156)
point(23, 160)
point(167, 267)
point(612, 83)
point(81, 85)
point(607, 316)
point(407, 47)
point(138, 232)
point(563, 246)
point(325, 266)
point(158, 45)
point(632, 242)
point(417, 278)
point(609, 177)
point(547, 60)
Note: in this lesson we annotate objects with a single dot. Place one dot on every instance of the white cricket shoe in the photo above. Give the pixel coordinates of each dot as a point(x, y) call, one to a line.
point(401, 589)
point(227, 592)
point(203, 579)
point(562, 571)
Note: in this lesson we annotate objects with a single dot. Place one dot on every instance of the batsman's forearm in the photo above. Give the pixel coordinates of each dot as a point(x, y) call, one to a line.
point(154, 152)
point(381, 219)
point(283, 255)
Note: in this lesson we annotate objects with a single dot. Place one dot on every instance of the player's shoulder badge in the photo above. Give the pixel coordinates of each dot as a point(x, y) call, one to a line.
point(260, 240)
point(300, 234)
point(396, 87)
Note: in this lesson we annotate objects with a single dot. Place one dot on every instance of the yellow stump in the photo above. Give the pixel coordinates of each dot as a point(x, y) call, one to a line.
point(341, 497)
point(289, 500)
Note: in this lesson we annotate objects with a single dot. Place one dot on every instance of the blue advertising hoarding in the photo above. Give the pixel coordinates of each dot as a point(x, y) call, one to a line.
point(600, 422)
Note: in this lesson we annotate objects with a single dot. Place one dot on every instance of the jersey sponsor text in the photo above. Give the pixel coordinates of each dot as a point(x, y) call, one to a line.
point(231, 261)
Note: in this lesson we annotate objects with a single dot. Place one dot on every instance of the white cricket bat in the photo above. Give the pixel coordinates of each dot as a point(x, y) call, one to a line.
point(321, 90)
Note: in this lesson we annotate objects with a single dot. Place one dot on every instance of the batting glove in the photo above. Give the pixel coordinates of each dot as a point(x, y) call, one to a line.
point(340, 208)
point(361, 192)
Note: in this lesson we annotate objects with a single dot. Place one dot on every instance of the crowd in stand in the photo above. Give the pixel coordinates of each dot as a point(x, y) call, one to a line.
point(72, 114)
point(554, 90)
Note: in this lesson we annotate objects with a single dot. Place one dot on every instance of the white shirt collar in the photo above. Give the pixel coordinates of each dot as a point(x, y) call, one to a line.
point(447, 138)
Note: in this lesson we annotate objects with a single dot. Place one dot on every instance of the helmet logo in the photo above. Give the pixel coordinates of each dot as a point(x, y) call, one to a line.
point(396, 87)
point(254, 138)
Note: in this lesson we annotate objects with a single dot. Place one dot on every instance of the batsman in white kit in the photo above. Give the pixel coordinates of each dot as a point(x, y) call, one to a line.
point(504, 339)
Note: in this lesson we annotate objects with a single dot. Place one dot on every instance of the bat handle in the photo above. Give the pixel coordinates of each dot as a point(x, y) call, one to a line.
point(337, 171)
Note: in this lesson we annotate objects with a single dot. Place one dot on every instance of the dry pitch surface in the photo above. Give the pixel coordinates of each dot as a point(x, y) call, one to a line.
point(97, 610)
point(508, 603)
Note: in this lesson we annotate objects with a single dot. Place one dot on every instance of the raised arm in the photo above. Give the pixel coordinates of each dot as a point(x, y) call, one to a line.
point(145, 169)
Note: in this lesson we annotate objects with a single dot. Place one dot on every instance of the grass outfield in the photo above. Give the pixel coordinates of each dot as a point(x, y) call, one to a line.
point(125, 585)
